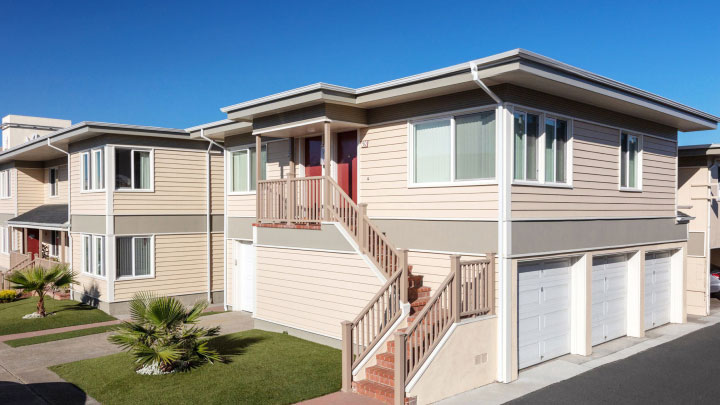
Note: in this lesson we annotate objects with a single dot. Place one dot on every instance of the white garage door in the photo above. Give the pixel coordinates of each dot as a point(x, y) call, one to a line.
point(609, 298)
point(543, 311)
point(657, 289)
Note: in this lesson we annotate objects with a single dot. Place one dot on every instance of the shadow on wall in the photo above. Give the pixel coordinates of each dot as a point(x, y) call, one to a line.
point(90, 296)
point(40, 393)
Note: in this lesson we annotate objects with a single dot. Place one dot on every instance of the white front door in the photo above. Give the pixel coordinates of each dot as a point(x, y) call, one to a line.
point(657, 289)
point(543, 311)
point(243, 276)
point(609, 298)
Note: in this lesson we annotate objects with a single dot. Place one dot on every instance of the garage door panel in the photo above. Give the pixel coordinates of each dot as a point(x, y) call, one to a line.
point(657, 289)
point(609, 296)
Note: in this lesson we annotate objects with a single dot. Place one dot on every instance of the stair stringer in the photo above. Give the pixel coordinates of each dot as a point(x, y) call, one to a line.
point(359, 251)
point(370, 360)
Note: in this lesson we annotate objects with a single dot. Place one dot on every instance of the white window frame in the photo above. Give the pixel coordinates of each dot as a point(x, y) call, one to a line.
point(453, 182)
point(93, 271)
point(231, 152)
point(4, 240)
point(641, 148)
point(568, 168)
point(54, 186)
point(92, 159)
point(132, 259)
point(132, 188)
point(5, 184)
point(542, 115)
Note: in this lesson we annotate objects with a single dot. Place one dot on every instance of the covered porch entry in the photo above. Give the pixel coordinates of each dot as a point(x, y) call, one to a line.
point(40, 236)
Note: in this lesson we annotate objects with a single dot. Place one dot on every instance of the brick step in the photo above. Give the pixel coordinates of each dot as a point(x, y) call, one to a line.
point(381, 375)
point(386, 360)
point(415, 281)
point(420, 292)
point(375, 390)
point(428, 319)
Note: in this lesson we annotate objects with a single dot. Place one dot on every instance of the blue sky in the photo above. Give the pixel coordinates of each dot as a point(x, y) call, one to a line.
point(175, 64)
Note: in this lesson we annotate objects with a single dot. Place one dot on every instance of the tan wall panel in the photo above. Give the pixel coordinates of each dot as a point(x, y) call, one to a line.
point(312, 290)
point(30, 189)
point(180, 268)
point(596, 171)
point(180, 186)
point(84, 203)
point(383, 183)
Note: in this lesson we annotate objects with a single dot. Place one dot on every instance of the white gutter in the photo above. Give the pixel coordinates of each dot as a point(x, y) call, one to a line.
point(209, 220)
point(474, 71)
point(72, 290)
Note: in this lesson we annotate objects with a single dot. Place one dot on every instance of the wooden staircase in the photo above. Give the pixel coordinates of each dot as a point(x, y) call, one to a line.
point(380, 378)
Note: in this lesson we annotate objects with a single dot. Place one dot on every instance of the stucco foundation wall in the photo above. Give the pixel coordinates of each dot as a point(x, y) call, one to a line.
point(312, 290)
point(180, 268)
point(383, 182)
point(467, 360)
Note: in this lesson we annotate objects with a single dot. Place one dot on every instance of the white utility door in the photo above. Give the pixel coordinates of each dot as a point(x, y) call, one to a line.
point(609, 298)
point(543, 311)
point(657, 289)
point(244, 276)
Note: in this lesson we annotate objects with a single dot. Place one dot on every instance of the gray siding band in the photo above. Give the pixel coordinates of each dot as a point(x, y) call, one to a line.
point(556, 236)
point(145, 224)
point(88, 224)
point(327, 238)
point(240, 228)
point(447, 236)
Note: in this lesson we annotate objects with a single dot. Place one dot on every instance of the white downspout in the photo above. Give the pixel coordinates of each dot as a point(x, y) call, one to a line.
point(474, 71)
point(209, 222)
point(69, 258)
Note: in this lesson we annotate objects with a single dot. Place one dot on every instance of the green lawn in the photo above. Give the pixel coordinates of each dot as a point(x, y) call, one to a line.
point(67, 313)
point(58, 336)
point(263, 368)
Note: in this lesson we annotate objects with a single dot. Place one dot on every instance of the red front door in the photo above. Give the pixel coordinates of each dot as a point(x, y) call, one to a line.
point(33, 241)
point(313, 156)
point(347, 163)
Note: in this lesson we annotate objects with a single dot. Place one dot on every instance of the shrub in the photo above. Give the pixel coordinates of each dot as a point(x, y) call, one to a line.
point(162, 336)
point(40, 281)
point(8, 295)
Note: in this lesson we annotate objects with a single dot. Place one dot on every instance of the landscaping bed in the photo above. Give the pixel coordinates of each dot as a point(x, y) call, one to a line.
point(64, 313)
point(263, 367)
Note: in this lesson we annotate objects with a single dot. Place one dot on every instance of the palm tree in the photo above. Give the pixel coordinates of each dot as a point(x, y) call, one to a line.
point(161, 332)
point(40, 281)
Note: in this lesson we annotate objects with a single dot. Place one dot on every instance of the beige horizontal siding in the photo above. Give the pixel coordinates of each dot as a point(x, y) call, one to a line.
point(7, 205)
point(89, 285)
point(62, 191)
point(596, 176)
point(383, 183)
point(84, 203)
point(241, 205)
point(692, 191)
point(180, 186)
point(312, 290)
point(180, 268)
point(217, 183)
point(30, 189)
point(216, 258)
point(229, 258)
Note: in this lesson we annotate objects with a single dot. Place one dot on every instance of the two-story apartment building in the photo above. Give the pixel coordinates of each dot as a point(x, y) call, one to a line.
point(486, 217)
point(139, 209)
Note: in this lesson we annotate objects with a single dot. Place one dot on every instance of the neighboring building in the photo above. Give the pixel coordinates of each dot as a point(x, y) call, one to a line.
point(18, 129)
point(698, 200)
point(145, 210)
point(555, 185)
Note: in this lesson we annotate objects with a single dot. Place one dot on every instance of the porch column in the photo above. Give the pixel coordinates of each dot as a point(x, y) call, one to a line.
point(291, 159)
point(258, 162)
point(41, 237)
point(23, 249)
point(62, 246)
point(327, 173)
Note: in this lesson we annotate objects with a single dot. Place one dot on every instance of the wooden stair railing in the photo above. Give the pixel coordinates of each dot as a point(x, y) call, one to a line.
point(467, 291)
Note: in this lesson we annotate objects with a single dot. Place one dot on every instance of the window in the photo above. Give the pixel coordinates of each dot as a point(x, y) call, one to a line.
point(4, 240)
point(5, 184)
point(53, 180)
point(555, 150)
point(242, 172)
point(55, 244)
point(134, 256)
point(133, 169)
point(94, 255)
point(527, 132)
point(629, 161)
point(455, 149)
point(93, 178)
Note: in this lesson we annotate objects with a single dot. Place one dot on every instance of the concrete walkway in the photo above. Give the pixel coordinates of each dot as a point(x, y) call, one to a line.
point(44, 332)
point(24, 374)
point(563, 368)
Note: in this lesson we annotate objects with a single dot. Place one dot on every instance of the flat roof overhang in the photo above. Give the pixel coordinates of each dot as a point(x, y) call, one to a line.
point(519, 67)
point(220, 129)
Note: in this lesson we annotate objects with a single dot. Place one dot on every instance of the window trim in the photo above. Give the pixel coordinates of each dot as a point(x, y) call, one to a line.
point(91, 153)
point(230, 167)
point(569, 147)
point(6, 174)
point(131, 189)
point(453, 182)
point(641, 148)
point(93, 238)
point(132, 259)
point(54, 245)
